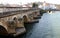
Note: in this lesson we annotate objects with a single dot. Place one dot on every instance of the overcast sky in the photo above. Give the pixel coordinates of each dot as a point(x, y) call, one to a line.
point(28, 1)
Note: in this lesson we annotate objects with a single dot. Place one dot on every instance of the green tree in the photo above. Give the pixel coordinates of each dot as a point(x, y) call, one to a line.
point(35, 5)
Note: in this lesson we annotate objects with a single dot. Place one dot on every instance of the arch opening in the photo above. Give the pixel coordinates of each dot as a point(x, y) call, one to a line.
point(25, 18)
point(3, 30)
point(14, 18)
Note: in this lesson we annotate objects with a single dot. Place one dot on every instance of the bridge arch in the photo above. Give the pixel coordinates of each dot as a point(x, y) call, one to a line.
point(14, 17)
point(25, 18)
point(3, 29)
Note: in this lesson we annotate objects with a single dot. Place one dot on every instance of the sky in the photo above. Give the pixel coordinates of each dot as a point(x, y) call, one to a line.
point(28, 1)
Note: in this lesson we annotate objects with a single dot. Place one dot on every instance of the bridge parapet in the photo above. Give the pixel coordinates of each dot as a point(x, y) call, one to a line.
point(9, 9)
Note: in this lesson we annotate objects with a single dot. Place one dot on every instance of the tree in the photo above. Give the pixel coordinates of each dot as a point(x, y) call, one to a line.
point(35, 5)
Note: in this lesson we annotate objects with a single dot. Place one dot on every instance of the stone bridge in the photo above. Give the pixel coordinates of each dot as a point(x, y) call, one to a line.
point(13, 17)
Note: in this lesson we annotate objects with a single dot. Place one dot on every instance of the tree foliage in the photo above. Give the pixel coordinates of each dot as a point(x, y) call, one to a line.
point(35, 5)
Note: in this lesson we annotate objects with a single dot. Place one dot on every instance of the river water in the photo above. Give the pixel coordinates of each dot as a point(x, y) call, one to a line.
point(48, 27)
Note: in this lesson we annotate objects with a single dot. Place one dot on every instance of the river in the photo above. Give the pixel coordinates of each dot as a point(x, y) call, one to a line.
point(48, 27)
